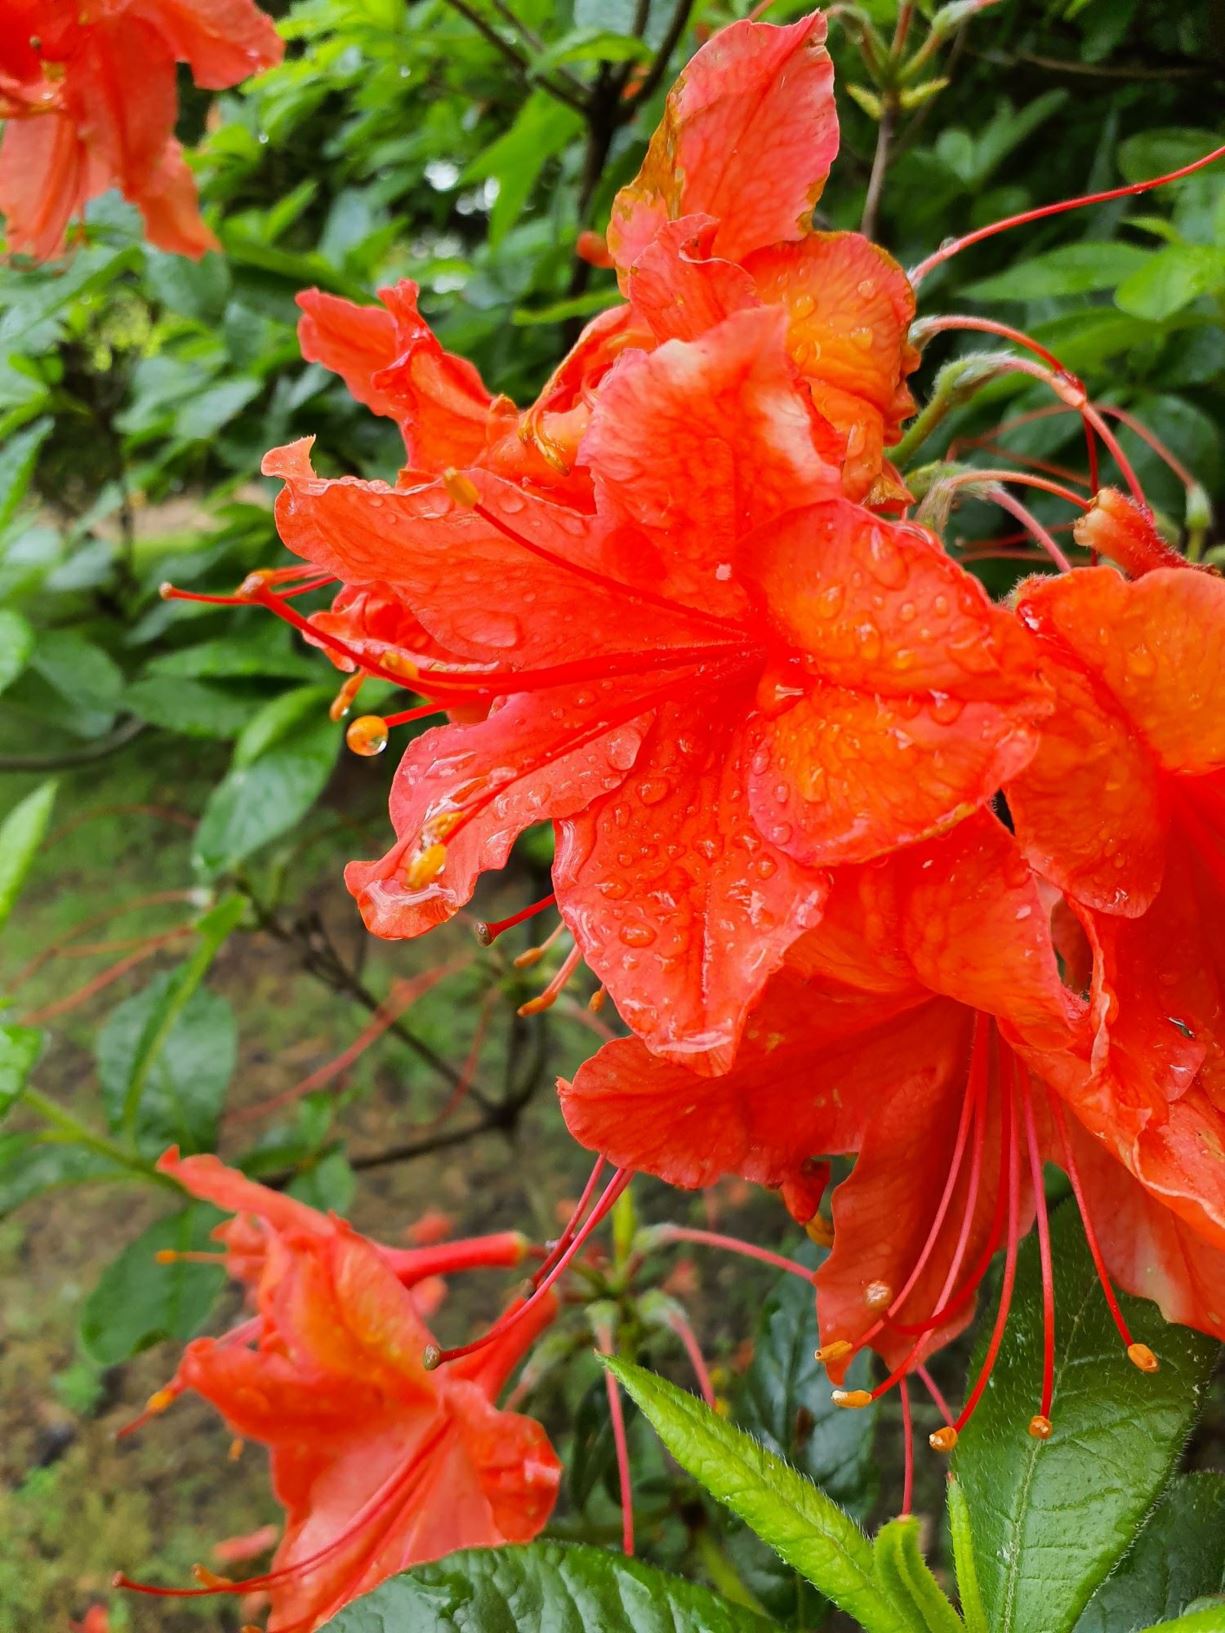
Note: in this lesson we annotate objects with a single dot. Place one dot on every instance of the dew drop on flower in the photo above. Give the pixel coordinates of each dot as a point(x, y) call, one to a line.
point(367, 735)
point(637, 935)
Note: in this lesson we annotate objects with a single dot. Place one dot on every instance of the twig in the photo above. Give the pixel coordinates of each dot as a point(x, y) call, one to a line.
point(880, 166)
point(514, 55)
point(69, 758)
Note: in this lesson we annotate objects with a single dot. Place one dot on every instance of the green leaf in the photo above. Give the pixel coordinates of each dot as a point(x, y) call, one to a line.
point(1209, 1618)
point(547, 1586)
point(1170, 279)
point(1118, 1433)
point(85, 676)
point(906, 1577)
point(809, 1531)
point(196, 289)
point(256, 803)
point(962, 1536)
point(1073, 269)
point(166, 1055)
point(276, 719)
point(785, 1402)
point(21, 833)
point(18, 458)
point(16, 645)
point(1179, 1557)
point(19, 1047)
point(31, 1164)
point(187, 706)
point(543, 127)
point(138, 1302)
point(261, 649)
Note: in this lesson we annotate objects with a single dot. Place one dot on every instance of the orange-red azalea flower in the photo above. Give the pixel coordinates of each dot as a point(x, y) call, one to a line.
point(925, 1027)
point(724, 681)
point(378, 1463)
point(88, 97)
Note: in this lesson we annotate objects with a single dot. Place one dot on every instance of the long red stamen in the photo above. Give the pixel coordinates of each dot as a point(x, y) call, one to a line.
point(938, 1400)
point(107, 977)
point(1139, 1354)
point(487, 932)
point(390, 1495)
point(1044, 1253)
point(467, 1072)
point(678, 1323)
point(947, 251)
point(907, 1446)
point(1025, 478)
point(436, 1357)
point(567, 1235)
point(942, 1438)
point(616, 1414)
point(546, 999)
point(730, 1244)
point(1009, 502)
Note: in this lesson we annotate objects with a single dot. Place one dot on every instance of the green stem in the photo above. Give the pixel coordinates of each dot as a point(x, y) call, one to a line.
point(955, 384)
point(81, 1134)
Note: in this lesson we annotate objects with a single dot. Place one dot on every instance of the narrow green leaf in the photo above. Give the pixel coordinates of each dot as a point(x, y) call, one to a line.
point(19, 1047)
point(187, 706)
point(543, 127)
point(1073, 269)
point(1204, 1619)
point(138, 1302)
point(16, 645)
point(905, 1576)
point(1179, 1557)
point(17, 461)
point(21, 833)
point(961, 1532)
point(1170, 279)
point(809, 1531)
point(550, 1587)
point(168, 1004)
point(1118, 1433)
point(256, 803)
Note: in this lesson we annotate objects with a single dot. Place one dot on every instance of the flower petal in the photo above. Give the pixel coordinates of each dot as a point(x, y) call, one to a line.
point(538, 756)
point(696, 444)
point(42, 182)
point(748, 135)
point(223, 41)
point(678, 905)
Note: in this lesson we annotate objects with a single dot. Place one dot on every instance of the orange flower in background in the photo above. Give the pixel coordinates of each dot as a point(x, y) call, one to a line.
point(725, 681)
point(88, 97)
point(925, 1028)
point(378, 1463)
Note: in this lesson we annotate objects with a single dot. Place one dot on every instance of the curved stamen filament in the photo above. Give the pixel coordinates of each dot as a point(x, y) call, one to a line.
point(1139, 1354)
point(436, 1357)
point(567, 1235)
point(678, 1323)
point(616, 1414)
point(947, 251)
point(1025, 478)
point(907, 1446)
point(731, 1244)
point(1009, 502)
point(1044, 1252)
point(546, 999)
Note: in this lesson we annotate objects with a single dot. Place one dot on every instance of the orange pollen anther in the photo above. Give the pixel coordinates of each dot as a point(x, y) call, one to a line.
point(159, 1400)
point(877, 1295)
point(343, 701)
point(597, 1000)
point(838, 1350)
point(426, 866)
point(1040, 1426)
point(1141, 1356)
point(820, 1231)
point(211, 1579)
point(462, 488)
point(943, 1440)
point(851, 1398)
point(367, 735)
point(442, 826)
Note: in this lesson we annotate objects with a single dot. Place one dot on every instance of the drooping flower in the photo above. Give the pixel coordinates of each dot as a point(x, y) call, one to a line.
point(925, 1028)
point(726, 680)
point(378, 1463)
point(1124, 808)
point(88, 97)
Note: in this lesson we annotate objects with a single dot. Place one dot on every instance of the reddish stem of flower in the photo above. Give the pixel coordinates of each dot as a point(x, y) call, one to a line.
point(689, 1343)
point(731, 1244)
point(107, 977)
point(1043, 483)
point(1099, 1262)
point(938, 1400)
point(947, 251)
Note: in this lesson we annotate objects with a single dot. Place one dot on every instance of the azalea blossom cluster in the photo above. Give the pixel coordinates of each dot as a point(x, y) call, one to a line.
point(871, 865)
point(88, 100)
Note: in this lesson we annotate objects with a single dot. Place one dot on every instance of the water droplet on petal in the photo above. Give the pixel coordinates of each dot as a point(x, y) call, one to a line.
point(637, 935)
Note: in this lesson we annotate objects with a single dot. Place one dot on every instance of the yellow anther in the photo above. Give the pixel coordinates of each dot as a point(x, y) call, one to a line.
point(837, 1350)
point(211, 1579)
point(1040, 1426)
point(852, 1398)
point(443, 825)
point(462, 488)
point(426, 866)
point(1141, 1356)
point(943, 1440)
point(597, 1000)
point(343, 701)
point(237, 1447)
point(159, 1400)
point(820, 1230)
point(538, 1005)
